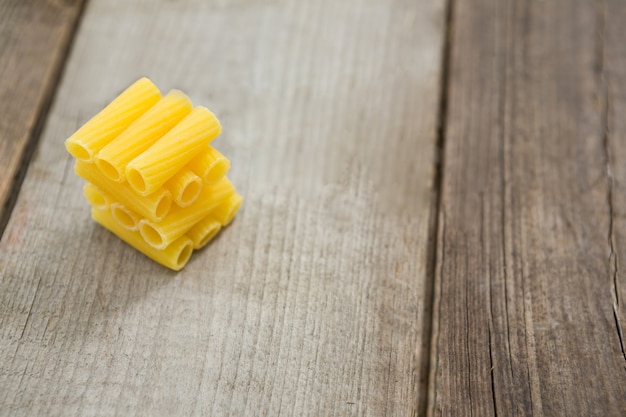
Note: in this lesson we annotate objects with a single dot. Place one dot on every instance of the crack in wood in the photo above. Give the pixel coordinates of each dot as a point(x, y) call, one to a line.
point(435, 333)
point(503, 133)
point(467, 343)
point(429, 345)
point(606, 111)
point(491, 315)
point(613, 255)
point(493, 382)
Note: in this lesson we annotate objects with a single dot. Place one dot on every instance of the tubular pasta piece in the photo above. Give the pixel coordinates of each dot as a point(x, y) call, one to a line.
point(141, 153)
point(96, 197)
point(112, 120)
point(154, 206)
point(185, 187)
point(150, 170)
point(124, 217)
point(180, 220)
point(141, 134)
point(210, 165)
point(174, 256)
point(225, 212)
point(203, 231)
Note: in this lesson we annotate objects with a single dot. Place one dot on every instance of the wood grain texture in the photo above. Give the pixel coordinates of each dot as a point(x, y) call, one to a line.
point(312, 301)
point(524, 318)
point(612, 15)
point(34, 37)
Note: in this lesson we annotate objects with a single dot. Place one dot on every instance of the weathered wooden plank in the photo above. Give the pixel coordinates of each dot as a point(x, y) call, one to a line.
point(612, 18)
point(34, 38)
point(524, 318)
point(311, 302)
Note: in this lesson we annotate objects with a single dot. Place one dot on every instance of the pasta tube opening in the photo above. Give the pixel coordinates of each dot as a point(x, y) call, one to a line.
point(124, 217)
point(78, 151)
point(210, 165)
point(190, 193)
point(151, 235)
point(136, 180)
point(184, 255)
point(185, 187)
point(95, 197)
point(109, 170)
point(204, 231)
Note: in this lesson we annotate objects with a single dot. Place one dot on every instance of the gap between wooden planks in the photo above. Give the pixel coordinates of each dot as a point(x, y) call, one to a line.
point(34, 41)
point(312, 302)
point(529, 305)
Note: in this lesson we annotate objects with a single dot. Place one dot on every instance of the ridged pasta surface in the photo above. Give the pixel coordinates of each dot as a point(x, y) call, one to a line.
point(152, 177)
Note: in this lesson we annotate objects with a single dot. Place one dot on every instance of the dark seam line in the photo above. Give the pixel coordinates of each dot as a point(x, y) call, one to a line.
point(40, 121)
point(436, 209)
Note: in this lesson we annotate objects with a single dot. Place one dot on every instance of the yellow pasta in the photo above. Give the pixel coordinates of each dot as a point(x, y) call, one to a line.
point(112, 120)
point(150, 170)
point(154, 206)
point(225, 212)
point(180, 220)
point(174, 256)
point(141, 134)
point(202, 232)
point(210, 165)
point(143, 153)
point(96, 197)
point(185, 187)
point(125, 217)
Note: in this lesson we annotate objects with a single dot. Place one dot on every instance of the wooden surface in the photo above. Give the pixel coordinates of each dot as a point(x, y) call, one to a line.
point(34, 38)
point(433, 224)
point(314, 301)
point(530, 232)
point(614, 84)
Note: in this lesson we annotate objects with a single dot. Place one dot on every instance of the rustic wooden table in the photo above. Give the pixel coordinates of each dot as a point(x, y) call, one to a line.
point(434, 220)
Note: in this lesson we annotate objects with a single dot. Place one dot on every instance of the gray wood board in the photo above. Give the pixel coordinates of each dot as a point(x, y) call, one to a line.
point(34, 38)
point(523, 313)
point(312, 302)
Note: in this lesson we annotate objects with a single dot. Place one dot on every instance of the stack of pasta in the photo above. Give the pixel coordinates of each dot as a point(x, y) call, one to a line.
point(153, 179)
